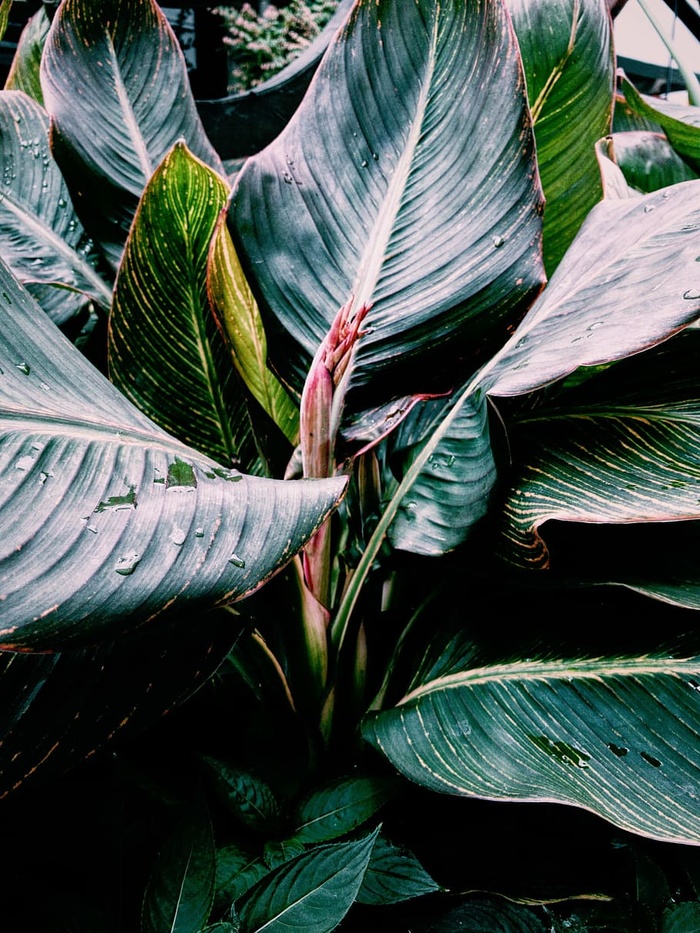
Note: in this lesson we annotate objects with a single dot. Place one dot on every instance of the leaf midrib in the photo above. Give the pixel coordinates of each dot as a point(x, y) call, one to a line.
point(374, 255)
point(47, 234)
point(55, 424)
point(546, 671)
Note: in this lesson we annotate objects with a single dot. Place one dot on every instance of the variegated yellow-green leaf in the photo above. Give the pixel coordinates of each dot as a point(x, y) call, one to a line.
point(41, 238)
point(108, 520)
point(5, 6)
point(236, 307)
point(166, 353)
point(24, 71)
point(569, 65)
point(615, 736)
point(116, 88)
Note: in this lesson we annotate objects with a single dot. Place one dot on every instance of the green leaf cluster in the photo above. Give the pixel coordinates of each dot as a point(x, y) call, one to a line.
point(416, 389)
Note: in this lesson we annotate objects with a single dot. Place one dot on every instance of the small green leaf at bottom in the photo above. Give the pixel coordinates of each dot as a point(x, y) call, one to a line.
point(309, 894)
point(393, 875)
point(180, 892)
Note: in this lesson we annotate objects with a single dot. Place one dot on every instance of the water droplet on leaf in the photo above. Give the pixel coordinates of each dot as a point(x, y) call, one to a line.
point(128, 563)
point(236, 561)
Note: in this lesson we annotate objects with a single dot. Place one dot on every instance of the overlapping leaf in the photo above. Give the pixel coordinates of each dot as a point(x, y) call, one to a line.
point(108, 520)
point(648, 160)
point(681, 122)
point(393, 186)
point(629, 280)
point(115, 85)
point(615, 736)
point(452, 489)
point(311, 893)
point(164, 345)
point(570, 70)
point(644, 414)
point(235, 306)
point(180, 890)
point(43, 696)
point(42, 239)
point(24, 71)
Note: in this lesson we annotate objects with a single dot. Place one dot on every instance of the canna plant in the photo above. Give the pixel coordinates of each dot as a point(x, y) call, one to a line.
point(428, 359)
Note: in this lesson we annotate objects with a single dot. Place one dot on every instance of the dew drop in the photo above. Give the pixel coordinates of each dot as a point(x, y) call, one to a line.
point(364, 163)
point(25, 463)
point(199, 533)
point(236, 561)
point(128, 563)
point(497, 241)
point(648, 208)
point(62, 202)
point(375, 156)
point(287, 178)
point(178, 536)
point(692, 294)
point(24, 368)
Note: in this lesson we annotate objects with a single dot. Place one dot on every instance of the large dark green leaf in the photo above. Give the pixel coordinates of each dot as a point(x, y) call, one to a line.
point(180, 891)
point(630, 279)
point(127, 685)
point(166, 353)
point(24, 71)
point(108, 520)
point(311, 893)
point(396, 186)
point(42, 240)
point(617, 736)
point(115, 85)
point(642, 467)
point(570, 70)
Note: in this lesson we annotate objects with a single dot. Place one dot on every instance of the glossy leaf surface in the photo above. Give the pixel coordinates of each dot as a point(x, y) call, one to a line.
point(340, 807)
point(393, 875)
point(382, 191)
point(110, 521)
point(629, 280)
point(615, 736)
point(648, 160)
point(642, 467)
point(235, 305)
point(451, 491)
point(165, 350)
point(569, 66)
point(311, 893)
point(24, 71)
point(180, 890)
point(680, 122)
point(42, 239)
point(115, 85)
